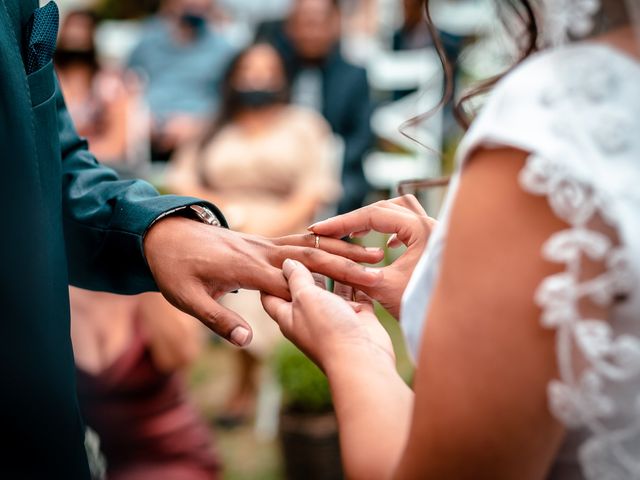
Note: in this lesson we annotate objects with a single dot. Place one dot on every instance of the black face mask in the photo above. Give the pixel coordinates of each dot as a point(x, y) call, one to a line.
point(195, 21)
point(69, 56)
point(258, 98)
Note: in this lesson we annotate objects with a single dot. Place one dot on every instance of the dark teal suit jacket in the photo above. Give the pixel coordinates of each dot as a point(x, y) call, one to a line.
point(63, 219)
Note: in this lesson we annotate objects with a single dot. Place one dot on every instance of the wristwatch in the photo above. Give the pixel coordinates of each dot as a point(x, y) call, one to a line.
point(205, 215)
point(196, 212)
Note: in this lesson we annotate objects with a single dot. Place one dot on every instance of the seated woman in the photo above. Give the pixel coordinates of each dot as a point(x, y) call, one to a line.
point(98, 99)
point(269, 166)
point(130, 353)
point(523, 311)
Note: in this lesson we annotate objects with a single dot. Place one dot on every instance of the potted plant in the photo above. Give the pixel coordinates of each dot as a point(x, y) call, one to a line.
point(308, 426)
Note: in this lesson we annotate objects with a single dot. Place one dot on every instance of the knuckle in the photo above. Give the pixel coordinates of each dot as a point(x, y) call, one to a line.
point(273, 253)
point(377, 209)
point(309, 238)
point(309, 253)
point(347, 271)
point(277, 254)
point(349, 265)
point(214, 319)
point(292, 240)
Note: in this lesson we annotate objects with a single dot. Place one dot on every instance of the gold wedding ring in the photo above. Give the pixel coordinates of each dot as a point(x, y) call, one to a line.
point(317, 241)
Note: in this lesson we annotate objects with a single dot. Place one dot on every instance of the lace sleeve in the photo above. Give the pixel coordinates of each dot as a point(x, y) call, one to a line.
point(594, 360)
point(576, 118)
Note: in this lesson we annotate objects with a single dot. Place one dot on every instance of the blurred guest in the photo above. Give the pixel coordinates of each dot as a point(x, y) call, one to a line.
point(414, 33)
point(68, 219)
point(129, 353)
point(324, 80)
point(361, 17)
point(181, 59)
point(269, 164)
point(97, 99)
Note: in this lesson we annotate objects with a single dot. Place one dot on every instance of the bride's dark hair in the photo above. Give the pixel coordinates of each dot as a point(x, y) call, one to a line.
point(519, 18)
point(521, 21)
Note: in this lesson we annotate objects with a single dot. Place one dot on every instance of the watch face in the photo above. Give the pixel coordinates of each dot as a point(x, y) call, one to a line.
point(206, 215)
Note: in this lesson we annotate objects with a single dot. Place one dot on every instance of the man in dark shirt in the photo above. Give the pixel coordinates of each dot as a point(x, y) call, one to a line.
point(181, 58)
point(67, 219)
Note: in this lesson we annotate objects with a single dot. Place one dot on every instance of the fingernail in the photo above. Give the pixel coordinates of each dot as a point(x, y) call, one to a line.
point(311, 227)
point(356, 307)
point(240, 336)
point(373, 250)
point(288, 266)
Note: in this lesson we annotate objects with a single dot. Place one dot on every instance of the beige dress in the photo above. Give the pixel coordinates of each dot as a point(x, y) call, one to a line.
point(255, 175)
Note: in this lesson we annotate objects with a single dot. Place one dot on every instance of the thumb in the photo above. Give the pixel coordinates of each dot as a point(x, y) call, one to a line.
point(298, 276)
point(219, 319)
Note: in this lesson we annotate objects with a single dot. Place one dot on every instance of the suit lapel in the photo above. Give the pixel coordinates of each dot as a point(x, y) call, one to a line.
point(19, 12)
point(17, 149)
point(13, 80)
point(10, 17)
point(16, 14)
point(26, 9)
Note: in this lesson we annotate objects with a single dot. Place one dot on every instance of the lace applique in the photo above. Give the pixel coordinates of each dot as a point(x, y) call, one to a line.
point(566, 18)
point(587, 85)
point(579, 399)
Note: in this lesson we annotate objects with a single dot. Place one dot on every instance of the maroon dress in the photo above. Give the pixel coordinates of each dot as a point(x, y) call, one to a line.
point(147, 428)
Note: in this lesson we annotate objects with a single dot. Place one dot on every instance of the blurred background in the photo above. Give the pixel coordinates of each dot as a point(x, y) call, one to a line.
point(281, 112)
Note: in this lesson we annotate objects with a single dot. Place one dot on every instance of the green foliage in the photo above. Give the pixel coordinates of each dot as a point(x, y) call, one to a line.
point(305, 388)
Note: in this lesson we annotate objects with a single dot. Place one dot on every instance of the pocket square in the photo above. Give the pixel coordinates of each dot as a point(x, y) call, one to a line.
point(40, 37)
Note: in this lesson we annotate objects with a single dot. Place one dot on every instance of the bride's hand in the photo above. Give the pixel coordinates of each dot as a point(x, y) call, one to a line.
point(403, 217)
point(328, 327)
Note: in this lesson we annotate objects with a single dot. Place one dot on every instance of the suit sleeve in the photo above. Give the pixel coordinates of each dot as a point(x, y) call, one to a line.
point(358, 139)
point(105, 218)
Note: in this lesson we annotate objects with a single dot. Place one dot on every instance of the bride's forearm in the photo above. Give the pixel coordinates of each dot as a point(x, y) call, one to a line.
point(374, 408)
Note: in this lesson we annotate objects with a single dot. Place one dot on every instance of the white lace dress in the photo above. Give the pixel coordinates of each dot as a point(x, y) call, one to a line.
point(577, 111)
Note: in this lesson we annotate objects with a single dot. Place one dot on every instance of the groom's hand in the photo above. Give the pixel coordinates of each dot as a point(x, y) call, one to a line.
point(194, 264)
